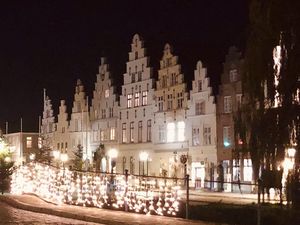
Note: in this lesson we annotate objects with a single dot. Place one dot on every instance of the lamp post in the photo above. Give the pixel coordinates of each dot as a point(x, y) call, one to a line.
point(32, 156)
point(64, 158)
point(144, 158)
point(56, 155)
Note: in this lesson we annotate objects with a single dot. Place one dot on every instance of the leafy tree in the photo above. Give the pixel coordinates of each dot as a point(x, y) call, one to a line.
point(6, 165)
point(264, 129)
point(77, 161)
point(98, 156)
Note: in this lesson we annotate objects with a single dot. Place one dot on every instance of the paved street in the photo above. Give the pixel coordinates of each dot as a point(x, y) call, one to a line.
point(102, 216)
point(10, 215)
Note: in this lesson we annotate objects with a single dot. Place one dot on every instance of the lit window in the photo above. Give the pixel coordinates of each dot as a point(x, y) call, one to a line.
point(140, 131)
point(40, 142)
point(179, 100)
point(227, 104)
point(124, 137)
point(112, 133)
point(102, 135)
point(111, 112)
point(139, 76)
point(247, 170)
point(233, 75)
point(137, 99)
point(106, 93)
point(180, 130)
point(226, 136)
point(103, 113)
point(149, 130)
point(144, 99)
point(161, 133)
point(160, 103)
point(200, 108)
point(238, 100)
point(171, 132)
point(129, 100)
point(29, 142)
point(173, 79)
point(236, 170)
point(207, 136)
point(169, 103)
point(195, 136)
point(131, 166)
point(131, 132)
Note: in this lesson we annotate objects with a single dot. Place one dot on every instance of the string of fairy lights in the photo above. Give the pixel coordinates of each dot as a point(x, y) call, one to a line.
point(134, 194)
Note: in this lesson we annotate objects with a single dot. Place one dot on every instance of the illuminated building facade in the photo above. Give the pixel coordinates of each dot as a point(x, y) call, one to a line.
point(202, 133)
point(232, 167)
point(23, 145)
point(149, 129)
point(104, 113)
point(136, 113)
point(170, 116)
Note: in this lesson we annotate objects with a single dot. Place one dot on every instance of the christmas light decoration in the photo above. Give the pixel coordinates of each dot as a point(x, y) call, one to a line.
point(146, 195)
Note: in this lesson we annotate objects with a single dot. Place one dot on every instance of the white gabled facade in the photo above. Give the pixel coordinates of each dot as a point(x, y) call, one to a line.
point(136, 111)
point(104, 112)
point(202, 131)
point(62, 136)
point(171, 97)
point(152, 127)
point(79, 123)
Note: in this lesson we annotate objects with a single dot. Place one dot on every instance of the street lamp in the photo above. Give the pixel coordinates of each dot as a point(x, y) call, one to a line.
point(32, 156)
point(64, 158)
point(144, 158)
point(56, 155)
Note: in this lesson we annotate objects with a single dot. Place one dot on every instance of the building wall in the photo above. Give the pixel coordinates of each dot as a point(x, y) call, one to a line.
point(22, 144)
point(202, 130)
point(162, 120)
point(136, 109)
point(169, 139)
point(230, 88)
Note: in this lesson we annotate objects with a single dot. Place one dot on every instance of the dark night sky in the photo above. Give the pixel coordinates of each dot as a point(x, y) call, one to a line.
point(49, 44)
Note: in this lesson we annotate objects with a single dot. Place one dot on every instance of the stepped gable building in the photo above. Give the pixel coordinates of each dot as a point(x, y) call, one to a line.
point(156, 129)
point(232, 167)
point(104, 113)
point(202, 130)
point(136, 112)
point(79, 124)
point(171, 97)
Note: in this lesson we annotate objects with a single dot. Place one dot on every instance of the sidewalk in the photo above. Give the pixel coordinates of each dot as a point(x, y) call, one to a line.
point(224, 197)
point(104, 216)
